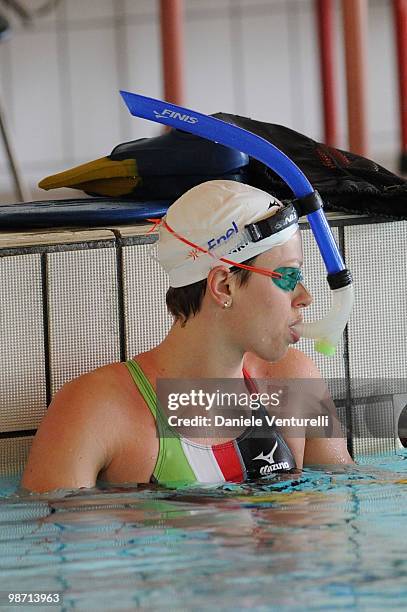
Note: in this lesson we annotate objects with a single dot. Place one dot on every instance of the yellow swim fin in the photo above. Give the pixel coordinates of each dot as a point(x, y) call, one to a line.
point(114, 187)
point(102, 176)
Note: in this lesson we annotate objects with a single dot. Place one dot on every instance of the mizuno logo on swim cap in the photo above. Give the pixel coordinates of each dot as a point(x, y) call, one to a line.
point(240, 247)
point(213, 242)
point(167, 112)
point(270, 457)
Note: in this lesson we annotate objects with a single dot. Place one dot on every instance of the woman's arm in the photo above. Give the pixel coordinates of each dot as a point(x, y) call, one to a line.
point(313, 450)
point(70, 446)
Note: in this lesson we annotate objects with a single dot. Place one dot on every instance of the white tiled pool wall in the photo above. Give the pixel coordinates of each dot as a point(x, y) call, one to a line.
point(73, 300)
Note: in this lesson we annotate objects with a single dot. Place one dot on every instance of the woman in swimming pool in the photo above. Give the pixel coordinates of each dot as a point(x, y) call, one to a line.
point(235, 303)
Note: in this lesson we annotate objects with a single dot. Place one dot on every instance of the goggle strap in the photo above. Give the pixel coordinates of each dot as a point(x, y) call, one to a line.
point(199, 248)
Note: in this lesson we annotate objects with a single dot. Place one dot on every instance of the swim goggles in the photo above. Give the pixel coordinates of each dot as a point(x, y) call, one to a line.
point(289, 279)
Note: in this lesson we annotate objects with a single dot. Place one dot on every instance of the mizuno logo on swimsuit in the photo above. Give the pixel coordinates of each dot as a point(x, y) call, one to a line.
point(167, 112)
point(267, 469)
point(272, 467)
point(270, 457)
point(213, 242)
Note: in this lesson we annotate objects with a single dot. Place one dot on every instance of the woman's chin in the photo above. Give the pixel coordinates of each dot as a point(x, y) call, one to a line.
point(273, 355)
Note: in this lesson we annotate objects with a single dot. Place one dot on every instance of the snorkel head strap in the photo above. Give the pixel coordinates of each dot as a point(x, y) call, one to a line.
point(327, 331)
point(264, 228)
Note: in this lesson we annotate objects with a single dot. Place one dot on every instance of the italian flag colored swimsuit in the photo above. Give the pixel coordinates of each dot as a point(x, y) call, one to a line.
point(181, 461)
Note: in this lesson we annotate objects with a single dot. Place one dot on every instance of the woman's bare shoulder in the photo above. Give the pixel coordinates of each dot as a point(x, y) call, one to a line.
point(108, 388)
point(94, 421)
point(112, 375)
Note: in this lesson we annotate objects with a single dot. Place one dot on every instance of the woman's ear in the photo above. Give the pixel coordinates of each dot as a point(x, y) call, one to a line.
point(219, 284)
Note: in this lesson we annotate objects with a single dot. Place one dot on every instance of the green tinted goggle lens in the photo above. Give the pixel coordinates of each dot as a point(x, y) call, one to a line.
point(289, 278)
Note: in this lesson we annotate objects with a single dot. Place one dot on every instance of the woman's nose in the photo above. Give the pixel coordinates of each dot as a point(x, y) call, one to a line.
point(302, 297)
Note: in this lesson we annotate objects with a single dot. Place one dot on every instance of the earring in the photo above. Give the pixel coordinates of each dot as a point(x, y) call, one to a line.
point(227, 304)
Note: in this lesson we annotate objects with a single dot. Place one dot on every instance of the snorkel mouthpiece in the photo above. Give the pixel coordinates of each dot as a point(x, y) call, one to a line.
point(326, 332)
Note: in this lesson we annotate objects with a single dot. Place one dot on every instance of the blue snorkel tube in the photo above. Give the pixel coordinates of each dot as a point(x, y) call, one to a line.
point(327, 331)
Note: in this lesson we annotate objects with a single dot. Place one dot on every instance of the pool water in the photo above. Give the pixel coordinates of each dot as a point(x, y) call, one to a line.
point(331, 539)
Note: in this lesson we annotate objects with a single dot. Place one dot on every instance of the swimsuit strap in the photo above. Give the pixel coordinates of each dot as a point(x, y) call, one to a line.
point(250, 384)
point(144, 385)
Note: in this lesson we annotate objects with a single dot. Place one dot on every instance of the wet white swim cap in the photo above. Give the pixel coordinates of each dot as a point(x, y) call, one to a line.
point(213, 215)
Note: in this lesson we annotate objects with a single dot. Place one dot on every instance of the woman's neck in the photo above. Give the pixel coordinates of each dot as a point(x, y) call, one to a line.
point(197, 350)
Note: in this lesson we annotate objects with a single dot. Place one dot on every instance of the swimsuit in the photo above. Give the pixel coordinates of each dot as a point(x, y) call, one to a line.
point(185, 461)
